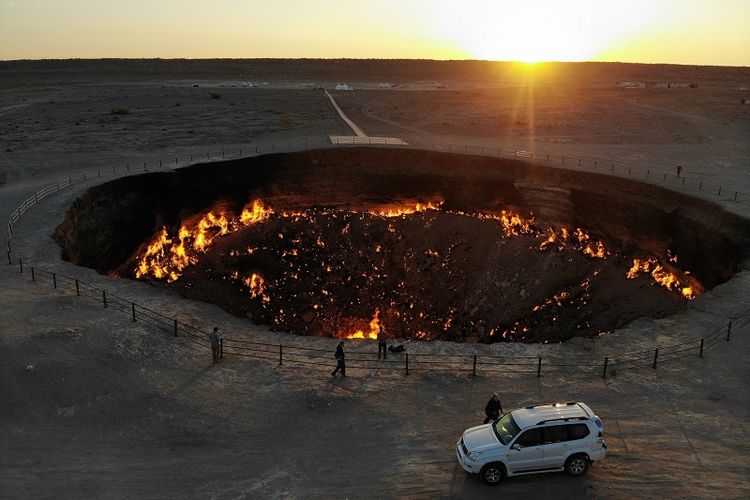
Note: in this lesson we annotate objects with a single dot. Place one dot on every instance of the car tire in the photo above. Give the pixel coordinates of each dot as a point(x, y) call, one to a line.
point(577, 465)
point(492, 473)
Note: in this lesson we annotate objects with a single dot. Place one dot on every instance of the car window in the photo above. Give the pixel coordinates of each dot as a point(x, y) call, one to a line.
point(554, 434)
point(532, 437)
point(577, 431)
point(506, 428)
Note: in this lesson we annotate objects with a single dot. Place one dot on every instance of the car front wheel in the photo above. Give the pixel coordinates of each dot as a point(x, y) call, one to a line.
point(493, 473)
point(577, 465)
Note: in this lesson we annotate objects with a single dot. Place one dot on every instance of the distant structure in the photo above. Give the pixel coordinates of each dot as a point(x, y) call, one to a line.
point(656, 85)
point(343, 86)
point(632, 85)
point(385, 85)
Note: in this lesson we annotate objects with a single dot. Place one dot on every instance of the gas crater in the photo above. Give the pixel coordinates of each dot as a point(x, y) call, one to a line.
point(346, 242)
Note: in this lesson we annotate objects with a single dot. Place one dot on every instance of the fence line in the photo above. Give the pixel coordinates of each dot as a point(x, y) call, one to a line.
point(463, 362)
point(126, 167)
point(466, 362)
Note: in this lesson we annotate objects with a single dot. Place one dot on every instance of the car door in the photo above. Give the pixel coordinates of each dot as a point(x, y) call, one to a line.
point(556, 446)
point(525, 453)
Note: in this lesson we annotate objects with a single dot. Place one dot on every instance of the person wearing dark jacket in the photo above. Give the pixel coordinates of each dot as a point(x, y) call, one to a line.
point(494, 409)
point(341, 365)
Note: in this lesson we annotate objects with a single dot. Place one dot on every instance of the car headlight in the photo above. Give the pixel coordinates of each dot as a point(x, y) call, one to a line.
point(473, 455)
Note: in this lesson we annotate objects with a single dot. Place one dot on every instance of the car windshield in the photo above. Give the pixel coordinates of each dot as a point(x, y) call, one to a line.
point(506, 428)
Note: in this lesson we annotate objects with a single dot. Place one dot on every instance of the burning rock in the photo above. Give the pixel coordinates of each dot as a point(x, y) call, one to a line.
point(327, 271)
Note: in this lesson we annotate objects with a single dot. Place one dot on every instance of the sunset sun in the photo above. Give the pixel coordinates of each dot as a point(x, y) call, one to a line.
point(539, 31)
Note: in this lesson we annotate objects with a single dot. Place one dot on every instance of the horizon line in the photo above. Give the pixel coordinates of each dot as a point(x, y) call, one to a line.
point(49, 59)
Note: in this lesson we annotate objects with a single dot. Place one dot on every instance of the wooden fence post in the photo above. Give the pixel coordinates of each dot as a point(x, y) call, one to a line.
point(132, 307)
point(474, 370)
point(606, 362)
point(221, 348)
point(78, 290)
point(656, 355)
point(407, 363)
point(104, 297)
point(539, 368)
point(175, 327)
point(54, 280)
point(729, 330)
point(20, 265)
point(700, 354)
point(281, 355)
point(32, 274)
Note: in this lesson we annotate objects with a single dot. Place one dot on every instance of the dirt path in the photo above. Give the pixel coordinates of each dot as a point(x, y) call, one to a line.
point(357, 131)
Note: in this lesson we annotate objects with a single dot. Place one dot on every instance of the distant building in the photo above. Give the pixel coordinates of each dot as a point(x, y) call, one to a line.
point(673, 85)
point(632, 85)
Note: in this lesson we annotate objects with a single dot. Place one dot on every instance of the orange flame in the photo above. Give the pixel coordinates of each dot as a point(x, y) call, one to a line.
point(374, 329)
point(512, 223)
point(661, 276)
point(407, 210)
point(254, 213)
point(256, 284)
point(166, 258)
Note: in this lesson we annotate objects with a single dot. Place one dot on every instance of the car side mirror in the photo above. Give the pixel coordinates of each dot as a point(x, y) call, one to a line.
point(516, 447)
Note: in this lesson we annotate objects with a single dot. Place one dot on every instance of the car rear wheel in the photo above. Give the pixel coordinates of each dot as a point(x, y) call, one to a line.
point(492, 473)
point(577, 465)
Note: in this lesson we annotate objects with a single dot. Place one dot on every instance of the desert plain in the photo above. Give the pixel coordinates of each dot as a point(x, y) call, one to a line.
point(94, 405)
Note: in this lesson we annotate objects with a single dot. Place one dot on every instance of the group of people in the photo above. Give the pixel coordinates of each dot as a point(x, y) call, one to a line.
point(493, 409)
point(383, 349)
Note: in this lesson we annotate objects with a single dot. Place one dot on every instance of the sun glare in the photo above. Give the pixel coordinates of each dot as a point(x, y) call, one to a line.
point(537, 31)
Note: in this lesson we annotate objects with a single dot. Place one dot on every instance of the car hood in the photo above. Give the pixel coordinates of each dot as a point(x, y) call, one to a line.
point(480, 438)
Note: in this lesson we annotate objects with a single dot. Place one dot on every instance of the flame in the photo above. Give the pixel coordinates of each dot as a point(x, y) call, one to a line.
point(256, 284)
point(407, 210)
point(166, 258)
point(374, 329)
point(512, 223)
point(661, 276)
point(254, 213)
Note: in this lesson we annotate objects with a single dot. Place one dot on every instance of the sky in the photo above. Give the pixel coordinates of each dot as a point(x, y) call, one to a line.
point(706, 32)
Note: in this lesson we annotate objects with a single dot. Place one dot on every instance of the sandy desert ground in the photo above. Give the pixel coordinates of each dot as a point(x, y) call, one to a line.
point(116, 409)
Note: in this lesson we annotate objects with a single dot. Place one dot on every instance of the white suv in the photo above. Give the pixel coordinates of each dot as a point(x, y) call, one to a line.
point(542, 438)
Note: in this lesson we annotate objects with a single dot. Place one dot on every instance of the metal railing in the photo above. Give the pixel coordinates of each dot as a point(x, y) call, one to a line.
point(408, 362)
point(126, 167)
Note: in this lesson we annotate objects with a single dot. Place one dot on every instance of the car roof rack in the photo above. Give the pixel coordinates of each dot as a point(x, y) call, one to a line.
point(569, 403)
point(561, 418)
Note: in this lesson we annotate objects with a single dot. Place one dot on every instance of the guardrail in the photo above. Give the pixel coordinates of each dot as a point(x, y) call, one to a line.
point(594, 165)
point(460, 362)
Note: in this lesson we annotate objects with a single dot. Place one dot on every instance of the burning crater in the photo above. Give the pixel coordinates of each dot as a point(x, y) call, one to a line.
point(344, 242)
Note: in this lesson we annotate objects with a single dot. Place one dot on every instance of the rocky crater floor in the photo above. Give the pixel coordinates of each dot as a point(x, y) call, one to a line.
point(344, 243)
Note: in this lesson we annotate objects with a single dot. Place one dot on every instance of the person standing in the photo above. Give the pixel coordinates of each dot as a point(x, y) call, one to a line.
point(494, 409)
point(215, 341)
point(341, 365)
point(679, 170)
point(382, 342)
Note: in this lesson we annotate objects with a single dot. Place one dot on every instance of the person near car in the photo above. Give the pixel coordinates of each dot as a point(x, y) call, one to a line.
point(382, 342)
point(215, 341)
point(494, 408)
point(341, 365)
